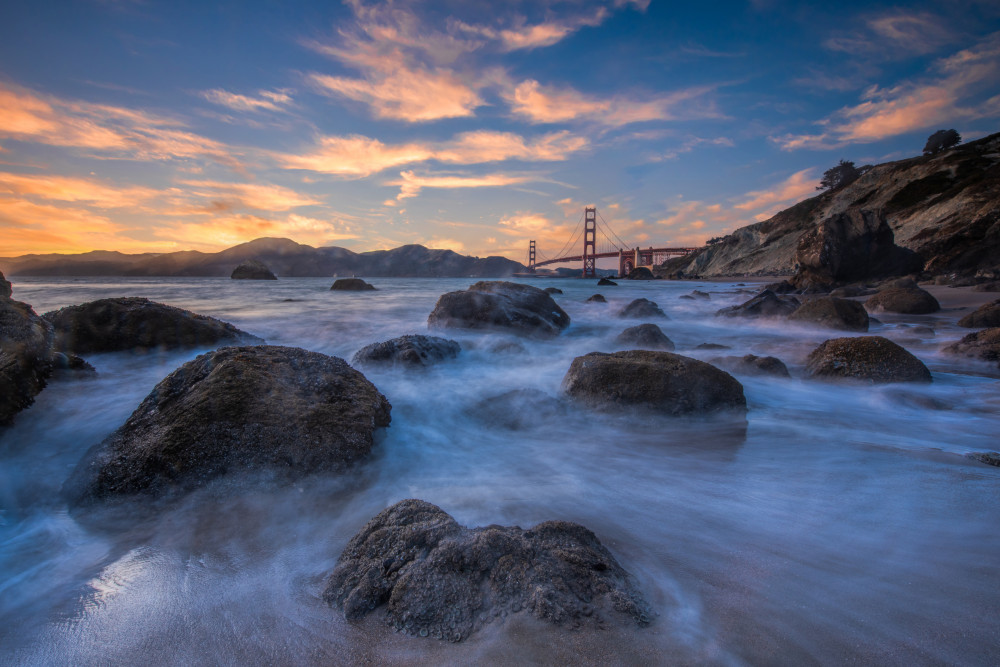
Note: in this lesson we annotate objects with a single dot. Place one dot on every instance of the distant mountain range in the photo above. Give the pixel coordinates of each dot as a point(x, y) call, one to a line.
point(284, 257)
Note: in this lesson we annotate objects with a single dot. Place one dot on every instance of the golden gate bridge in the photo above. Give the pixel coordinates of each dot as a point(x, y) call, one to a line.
point(607, 245)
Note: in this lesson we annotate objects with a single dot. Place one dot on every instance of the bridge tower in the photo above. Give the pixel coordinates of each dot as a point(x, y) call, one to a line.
point(531, 257)
point(590, 242)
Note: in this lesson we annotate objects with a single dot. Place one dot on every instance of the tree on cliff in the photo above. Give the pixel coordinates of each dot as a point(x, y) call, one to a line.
point(941, 140)
point(839, 176)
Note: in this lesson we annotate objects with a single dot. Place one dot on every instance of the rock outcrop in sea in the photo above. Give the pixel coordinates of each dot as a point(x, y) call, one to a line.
point(252, 269)
point(905, 300)
point(987, 315)
point(411, 350)
point(431, 577)
point(662, 382)
point(351, 285)
point(645, 337)
point(136, 323)
point(765, 304)
point(871, 358)
point(751, 364)
point(642, 309)
point(500, 306)
point(832, 313)
point(25, 356)
point(237, 409)
point(983, 345)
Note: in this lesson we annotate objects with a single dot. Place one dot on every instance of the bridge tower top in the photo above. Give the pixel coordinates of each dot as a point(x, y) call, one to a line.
point(590, 242)
point(531, 257)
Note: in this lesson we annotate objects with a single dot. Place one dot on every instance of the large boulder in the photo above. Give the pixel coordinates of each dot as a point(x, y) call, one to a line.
point(751, 364)
point(872, 358)
point(237, 409)
point(640, 273)
point(500, 306)
point(597, 298)
point(435, 578)
point(642, 308)
point(351, 285)
point(25, 357)
point(645, 337)
point(906, 300)
point(252, 269)
point(832, 313)
point(410, 350)
point(135, 323)
point(606, 281)
point(5, 288)
point(984, 345)
point(664, 382)
point(853, 245)
point(765, 304)
point(987, 315)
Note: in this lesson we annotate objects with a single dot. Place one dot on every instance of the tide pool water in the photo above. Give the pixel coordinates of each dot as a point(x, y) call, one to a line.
point(844, 524)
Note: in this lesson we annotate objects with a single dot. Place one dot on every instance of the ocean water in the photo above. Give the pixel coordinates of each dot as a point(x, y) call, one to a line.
point(843, 524)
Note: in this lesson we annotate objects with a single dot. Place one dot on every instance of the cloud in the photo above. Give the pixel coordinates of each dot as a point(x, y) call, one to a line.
point(522, 35)
point(71, 189)
point(689, 144)
point(267, 100)
point(224, 231)
point(359, 156)
point(252, 196)
point(796, 187)
point(952, 92)
point(537, 103)
point(410, 184)
point(110, 131)
point(895, 35)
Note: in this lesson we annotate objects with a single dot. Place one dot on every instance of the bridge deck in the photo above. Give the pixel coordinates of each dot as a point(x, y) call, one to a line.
point(606, 255)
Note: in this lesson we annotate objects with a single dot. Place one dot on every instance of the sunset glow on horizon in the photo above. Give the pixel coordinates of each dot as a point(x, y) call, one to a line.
point(142, 126)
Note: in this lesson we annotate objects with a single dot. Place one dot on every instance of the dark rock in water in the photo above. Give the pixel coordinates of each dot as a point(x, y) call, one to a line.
point(351, 285)
point(662, 381)
point(519, 409)
point(765, 304)
point(993, 286)
point(833, 313)
point(989, 458)
point(987, 315)
point(412, 350)
point(640, 273)
point(135, 323)
point(25, 357)
point(500, 306)
point(871, 358)
point(782, 287)
point(849, 246)
point(237, 409)
point(438, 579)
point(645, 337)
point(752, 365)
point(984, 345)
point(70, 364)
point(5, 289)
point(907, 300)
point(597, 298)
point(252, 269)
point(605, 281)
point(641, 308)
point(507, 347)
point(698, 294)
point(924, 331)
point(712, 346)
point(552, 290)
point(849, 291)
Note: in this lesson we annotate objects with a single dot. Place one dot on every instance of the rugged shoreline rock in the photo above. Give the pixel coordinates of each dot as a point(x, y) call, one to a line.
point(765, 304)
point(987, 315)
point(5, 287)
point(410, 350)
point(642, 308)
point(351, 285)
point(500, 306)
point(646, 337)
point(751, 364)
point(832, 313)
point(983, 345)
point(906, 300)
point(136, 323)
point(252, 269)
point(872, 358)
point(663, 382)
point(237, 409)
point(25, 357)
point(438, 579)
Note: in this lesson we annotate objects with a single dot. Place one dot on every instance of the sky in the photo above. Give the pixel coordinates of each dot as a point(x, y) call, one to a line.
point(147, 126)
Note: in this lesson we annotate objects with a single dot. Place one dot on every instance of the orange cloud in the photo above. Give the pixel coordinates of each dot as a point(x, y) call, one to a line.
point(228, 230)
point(267, 100)
point(254, 196)
point(411, 184)
point(70, 189)
point(796, 187)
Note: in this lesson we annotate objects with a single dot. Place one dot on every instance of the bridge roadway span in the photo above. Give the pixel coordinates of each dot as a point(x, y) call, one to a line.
point(627, 259)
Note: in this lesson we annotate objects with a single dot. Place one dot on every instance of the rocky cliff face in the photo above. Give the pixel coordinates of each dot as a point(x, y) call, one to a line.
point(945, 208)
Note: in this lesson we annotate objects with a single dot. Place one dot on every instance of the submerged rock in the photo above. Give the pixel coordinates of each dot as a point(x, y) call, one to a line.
point(645, 337)
point(237, 408)
point(987, 315)
point(983, 345)
point(500, 306)
point(698, 294)
point(832, 313)
point(135, 323)
point(989, 458)
point(438, 579)
point(552, 290)
point(252, 269)
point(712, 346)
point(641, 308)
point(765, 304)
point(906, 300)
point(605, 281)
point(25, 357)
point(351, 285)
point(411, 350)
point(661, 381)
point(751, 364)
point(871, 358)
point(519, 409)
point(597, 298)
